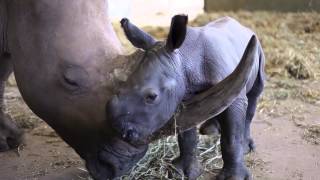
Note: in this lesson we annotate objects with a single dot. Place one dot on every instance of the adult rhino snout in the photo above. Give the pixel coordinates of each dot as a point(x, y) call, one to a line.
point(114, 159)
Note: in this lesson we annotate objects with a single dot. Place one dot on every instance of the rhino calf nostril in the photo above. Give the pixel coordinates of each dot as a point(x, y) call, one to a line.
point(124, 135)
point(132, 135)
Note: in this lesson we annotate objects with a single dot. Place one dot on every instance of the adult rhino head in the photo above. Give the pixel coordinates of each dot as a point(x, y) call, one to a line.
point(159, 84)
point(63, 56)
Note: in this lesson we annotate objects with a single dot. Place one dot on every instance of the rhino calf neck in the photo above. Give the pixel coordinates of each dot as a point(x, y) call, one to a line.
point(218, 69)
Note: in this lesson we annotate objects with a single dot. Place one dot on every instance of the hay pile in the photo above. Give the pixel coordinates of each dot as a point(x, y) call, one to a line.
point(157, 162)
point(312, 134)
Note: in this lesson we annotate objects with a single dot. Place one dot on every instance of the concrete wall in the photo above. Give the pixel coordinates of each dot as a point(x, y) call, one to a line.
point(153, 12)
point(274, 5)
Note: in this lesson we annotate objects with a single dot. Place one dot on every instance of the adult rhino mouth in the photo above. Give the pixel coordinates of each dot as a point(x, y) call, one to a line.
point(114, 159)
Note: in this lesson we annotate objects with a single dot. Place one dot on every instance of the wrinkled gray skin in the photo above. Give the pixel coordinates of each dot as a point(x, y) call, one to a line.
point(192, 60)
point(63, 53)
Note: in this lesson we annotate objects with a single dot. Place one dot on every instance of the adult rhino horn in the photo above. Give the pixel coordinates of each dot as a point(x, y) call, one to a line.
point(216, 99)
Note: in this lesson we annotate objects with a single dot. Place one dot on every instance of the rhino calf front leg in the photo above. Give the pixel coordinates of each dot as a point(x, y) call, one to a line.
point(10, 134)
point(187, 162)
point(232, 122)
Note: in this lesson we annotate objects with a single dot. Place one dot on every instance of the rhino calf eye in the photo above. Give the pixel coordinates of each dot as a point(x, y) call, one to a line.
point(151, 98)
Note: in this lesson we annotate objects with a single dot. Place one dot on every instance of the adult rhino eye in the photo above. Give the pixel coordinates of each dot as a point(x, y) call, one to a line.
point(70, 81)
point(75, 78)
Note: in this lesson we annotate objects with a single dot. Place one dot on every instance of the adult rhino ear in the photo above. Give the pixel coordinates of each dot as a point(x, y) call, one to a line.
point(178, 31)
point(136, 36)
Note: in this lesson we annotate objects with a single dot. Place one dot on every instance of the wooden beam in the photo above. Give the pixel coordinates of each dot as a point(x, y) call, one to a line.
point(269, 5)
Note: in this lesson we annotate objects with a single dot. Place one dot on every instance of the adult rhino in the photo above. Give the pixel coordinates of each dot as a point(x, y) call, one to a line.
point(197, 67)
point(61, 53)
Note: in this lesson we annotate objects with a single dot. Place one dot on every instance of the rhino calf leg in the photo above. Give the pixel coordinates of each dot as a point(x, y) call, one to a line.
point(10, 134)
point(252, 96)
point(187, 162)
point(232, 122)
point(248, 143)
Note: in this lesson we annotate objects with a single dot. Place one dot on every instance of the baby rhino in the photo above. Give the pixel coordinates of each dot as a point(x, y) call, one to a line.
point(217, 68)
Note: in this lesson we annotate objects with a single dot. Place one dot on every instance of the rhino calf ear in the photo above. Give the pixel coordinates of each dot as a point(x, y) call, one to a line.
point(136, 36)
point(177, 32)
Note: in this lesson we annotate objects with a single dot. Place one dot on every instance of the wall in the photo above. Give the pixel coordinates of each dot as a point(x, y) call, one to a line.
point(153, 12)
point(274, 5)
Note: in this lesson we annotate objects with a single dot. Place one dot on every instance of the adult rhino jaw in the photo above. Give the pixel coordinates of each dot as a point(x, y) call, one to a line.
point(114, 159)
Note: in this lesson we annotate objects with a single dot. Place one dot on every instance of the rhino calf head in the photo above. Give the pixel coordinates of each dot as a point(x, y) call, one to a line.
point(147, 100)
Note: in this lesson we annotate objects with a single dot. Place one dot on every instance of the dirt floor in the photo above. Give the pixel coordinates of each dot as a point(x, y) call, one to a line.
point(286, 128)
